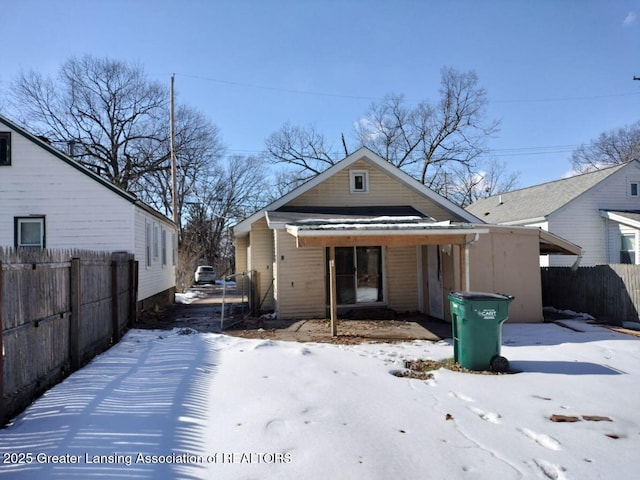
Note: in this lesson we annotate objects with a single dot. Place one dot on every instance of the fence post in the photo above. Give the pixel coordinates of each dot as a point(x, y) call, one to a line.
point(2, 409)
point(134, 291)
point(115, 307)
point(74, 319)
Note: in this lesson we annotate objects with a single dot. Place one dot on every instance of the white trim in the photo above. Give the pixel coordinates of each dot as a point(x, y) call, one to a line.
point(636, 246)
point(524, 222)
point(244, 227)
point(616, 217)
point(297, 231)
point(353, 174)
point(34, 220)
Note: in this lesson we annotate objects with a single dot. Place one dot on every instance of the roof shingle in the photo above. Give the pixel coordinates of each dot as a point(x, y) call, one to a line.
point(537, 201)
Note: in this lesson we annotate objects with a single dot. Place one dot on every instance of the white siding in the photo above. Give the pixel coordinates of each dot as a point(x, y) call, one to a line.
point(614, 233)
point(80, 212)
point(580, 221)
point(160, 275)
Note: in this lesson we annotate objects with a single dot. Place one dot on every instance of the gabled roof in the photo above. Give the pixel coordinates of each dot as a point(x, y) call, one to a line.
point(245, 226)
point(534, 204)
point(73, 163)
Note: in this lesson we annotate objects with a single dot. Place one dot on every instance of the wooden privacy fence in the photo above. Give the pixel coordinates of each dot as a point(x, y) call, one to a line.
point(610, 293)
point(58, 309)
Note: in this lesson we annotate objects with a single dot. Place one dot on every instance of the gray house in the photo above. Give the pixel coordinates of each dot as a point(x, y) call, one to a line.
point(600, 211)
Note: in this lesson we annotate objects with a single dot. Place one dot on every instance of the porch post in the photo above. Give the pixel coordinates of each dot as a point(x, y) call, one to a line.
point(464, 278)
point(467, 269)
point(333, 291)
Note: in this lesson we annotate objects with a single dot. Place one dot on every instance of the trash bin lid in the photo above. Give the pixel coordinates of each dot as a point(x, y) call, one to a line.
point(480, 296)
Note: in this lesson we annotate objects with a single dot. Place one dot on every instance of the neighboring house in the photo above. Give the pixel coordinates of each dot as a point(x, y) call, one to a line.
point(600, 211)
point(394, 242)
point(51, 201)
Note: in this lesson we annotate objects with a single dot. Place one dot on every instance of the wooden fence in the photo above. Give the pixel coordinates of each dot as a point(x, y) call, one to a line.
point(58, 309)
point(610, 293)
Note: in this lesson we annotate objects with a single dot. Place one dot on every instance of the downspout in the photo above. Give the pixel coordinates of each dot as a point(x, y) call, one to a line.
point(576, 264)
point(467, 270)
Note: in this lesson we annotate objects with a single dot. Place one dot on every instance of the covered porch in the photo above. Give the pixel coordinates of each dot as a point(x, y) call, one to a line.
point(449, 256)
point(434, 243)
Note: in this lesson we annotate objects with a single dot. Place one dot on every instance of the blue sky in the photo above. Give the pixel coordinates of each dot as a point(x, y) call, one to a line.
point(558, 73)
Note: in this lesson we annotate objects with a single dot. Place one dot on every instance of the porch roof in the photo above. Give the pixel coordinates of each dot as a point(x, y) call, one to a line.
point(324, 230)
point(631, 218)
point(381, 230)
point(552, 244)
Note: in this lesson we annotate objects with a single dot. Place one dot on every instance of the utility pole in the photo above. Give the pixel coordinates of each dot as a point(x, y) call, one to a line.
point(174, 181)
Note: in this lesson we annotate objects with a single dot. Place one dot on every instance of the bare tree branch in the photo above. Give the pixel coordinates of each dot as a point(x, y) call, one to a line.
point(609, 149)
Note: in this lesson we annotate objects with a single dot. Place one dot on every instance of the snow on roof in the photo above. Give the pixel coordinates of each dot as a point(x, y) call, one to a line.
point(377, 223)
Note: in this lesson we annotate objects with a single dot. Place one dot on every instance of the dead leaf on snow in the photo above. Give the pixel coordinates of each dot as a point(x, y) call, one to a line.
point(596, 418)
point(563, 418)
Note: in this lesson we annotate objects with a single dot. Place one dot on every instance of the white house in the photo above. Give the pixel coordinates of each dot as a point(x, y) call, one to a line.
point(51, 201)
point(600, 211)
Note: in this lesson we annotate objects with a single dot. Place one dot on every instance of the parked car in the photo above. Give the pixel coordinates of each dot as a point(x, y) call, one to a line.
point(205, 274)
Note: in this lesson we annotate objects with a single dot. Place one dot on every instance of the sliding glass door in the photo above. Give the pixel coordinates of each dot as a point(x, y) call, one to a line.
point(358, 275)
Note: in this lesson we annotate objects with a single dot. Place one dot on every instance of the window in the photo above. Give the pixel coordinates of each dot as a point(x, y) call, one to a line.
point(359, 181)
point(628, 249)
point(156, 248)
point(164, 247)
point(174, 245)
point(147, 243)
point(29, 232)
point(634, 189)
point(5, 149)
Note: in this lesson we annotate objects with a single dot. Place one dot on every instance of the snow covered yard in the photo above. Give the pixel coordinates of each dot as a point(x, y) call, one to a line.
point(177, 404)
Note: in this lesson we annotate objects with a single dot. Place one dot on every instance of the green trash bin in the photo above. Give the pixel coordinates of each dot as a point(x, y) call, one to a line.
point(477, 320)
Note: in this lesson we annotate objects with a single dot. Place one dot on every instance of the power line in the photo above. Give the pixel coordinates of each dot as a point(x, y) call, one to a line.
point(361, 97)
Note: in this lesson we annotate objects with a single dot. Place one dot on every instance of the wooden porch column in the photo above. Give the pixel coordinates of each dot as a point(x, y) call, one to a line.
point(333, 291)
point(464, 277)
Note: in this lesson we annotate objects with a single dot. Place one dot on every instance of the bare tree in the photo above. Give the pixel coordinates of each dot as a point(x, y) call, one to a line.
point(392, 130)
point(303, 149)
point(199, 150)
point(112, 114)
point(233, 190)
point(429, 141)
point(464, 187)
point(609, 149)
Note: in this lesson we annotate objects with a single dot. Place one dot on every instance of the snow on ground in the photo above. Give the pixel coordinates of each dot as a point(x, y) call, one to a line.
point(170, 404)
